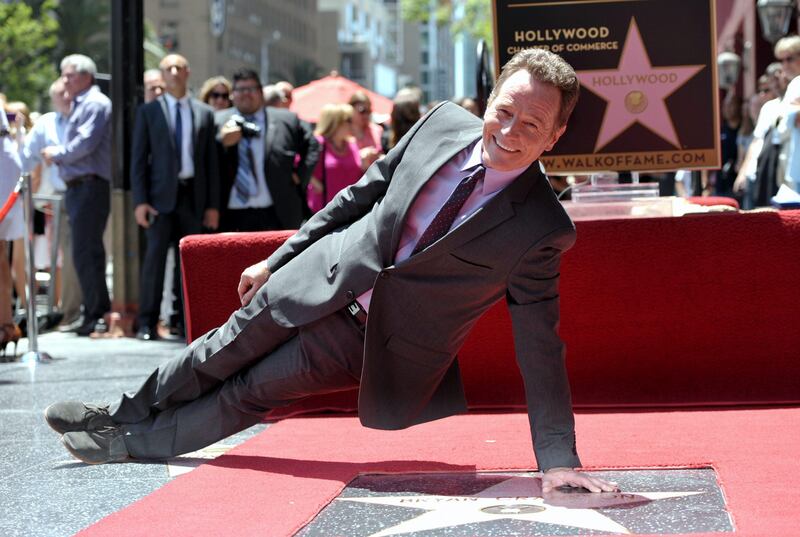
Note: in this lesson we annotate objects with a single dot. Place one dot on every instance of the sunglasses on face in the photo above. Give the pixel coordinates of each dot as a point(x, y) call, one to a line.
point(218, 95)
point(247, 89)
point(789, 58)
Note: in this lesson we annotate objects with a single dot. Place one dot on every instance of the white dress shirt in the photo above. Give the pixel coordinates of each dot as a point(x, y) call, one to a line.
point(262, 199)
point(48, 130)
point(187, 153)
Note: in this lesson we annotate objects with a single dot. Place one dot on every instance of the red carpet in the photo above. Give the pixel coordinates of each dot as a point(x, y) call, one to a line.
point(276, 482)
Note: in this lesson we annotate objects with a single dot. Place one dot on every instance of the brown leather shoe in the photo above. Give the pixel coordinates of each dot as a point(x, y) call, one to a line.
point(97, 447)
point(68, 416)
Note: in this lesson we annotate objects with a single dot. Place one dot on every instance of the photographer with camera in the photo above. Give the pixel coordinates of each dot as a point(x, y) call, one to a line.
point(259, 169)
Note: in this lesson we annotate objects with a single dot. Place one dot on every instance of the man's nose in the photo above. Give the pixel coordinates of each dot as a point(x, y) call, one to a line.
point(510, 126)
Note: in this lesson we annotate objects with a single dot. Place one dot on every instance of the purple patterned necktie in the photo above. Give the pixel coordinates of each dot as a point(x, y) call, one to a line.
point(444, 219)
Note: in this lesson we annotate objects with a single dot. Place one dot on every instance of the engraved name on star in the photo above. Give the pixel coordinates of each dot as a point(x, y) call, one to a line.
point(517, 498)
point(636, 91)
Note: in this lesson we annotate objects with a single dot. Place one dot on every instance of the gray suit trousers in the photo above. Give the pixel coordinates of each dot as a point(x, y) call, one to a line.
point(228, 379)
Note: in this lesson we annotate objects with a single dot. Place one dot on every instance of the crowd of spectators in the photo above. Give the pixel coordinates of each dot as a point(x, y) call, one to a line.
point(235, 158)
point(232, 158)
point(764, 127)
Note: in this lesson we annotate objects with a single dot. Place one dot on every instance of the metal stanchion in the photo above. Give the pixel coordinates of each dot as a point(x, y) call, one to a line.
point(56, 202)
point(33, 354)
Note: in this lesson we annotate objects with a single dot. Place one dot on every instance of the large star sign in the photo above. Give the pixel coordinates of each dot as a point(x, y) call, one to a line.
point(517, 498)
point(635, 91)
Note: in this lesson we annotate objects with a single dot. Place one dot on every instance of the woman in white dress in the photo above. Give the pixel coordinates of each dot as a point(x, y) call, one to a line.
point(12, 227)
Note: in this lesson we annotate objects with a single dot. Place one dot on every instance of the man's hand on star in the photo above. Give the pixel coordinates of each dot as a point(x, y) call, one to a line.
point(557, 477)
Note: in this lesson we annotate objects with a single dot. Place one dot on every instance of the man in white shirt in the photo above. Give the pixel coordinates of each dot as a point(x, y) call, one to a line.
point(48, 131)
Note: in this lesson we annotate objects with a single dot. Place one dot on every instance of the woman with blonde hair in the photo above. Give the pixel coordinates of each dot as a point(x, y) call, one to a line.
point(340, 164)
point(366, 132)
point(216, 93)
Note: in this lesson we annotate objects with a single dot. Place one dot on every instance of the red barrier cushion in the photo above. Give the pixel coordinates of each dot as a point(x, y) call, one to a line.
point(697, 310)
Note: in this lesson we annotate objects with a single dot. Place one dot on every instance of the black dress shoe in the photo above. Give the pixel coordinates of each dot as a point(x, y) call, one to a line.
point(86, 328)
point(101, 326)
point(178, 330)
point(92, 325)
point(146, 333)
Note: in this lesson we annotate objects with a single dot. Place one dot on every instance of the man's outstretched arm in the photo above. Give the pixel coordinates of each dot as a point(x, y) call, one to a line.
point(534, 306)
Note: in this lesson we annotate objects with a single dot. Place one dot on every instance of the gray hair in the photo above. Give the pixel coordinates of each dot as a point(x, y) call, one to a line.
point(81, 63)
point(151, 72)
point(773, 69)
point(548, 68)
point(273, 95)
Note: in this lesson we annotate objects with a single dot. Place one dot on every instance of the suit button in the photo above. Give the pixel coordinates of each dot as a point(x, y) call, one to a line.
point(383, 274)
point(349, 295)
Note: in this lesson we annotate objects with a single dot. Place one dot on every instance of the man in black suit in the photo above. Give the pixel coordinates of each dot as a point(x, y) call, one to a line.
point(260, 168)
point(174, 179)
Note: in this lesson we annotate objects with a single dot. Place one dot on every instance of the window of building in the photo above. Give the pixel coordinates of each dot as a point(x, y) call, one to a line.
point(168, 35)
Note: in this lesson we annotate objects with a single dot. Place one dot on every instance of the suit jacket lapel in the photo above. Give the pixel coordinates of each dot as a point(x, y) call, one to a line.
point(269, 138)
point(167, 121)
point(429, 162)
point(193, 106)
point(496, 211)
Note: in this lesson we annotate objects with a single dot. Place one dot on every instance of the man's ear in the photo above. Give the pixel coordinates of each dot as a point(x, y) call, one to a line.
point(556, 135)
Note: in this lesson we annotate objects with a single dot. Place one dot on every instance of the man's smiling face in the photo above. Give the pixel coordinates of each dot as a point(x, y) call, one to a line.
point(520, 123)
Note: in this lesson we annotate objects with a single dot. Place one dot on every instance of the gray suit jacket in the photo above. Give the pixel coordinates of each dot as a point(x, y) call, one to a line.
point(423, 308)
point(154, 164)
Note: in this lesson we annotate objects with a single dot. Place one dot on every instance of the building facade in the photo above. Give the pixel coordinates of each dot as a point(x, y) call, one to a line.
point(275, 37)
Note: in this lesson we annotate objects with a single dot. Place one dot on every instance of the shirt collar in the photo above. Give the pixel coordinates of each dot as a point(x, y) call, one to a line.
point(494, 180)
point(171, 100)
point(82, 95)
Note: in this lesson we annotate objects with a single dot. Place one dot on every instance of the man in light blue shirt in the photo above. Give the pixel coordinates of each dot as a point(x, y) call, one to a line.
point(84, 163)
point(49, 131)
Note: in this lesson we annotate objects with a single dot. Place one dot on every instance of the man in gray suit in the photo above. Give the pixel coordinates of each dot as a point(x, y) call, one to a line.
point(379, 290)
point(174, 180)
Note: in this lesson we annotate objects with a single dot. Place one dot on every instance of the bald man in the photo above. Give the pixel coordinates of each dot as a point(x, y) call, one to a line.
point(174, 179)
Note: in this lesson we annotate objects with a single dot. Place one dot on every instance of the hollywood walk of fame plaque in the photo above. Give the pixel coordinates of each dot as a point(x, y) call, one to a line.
point(511, 504)
point(648, 78)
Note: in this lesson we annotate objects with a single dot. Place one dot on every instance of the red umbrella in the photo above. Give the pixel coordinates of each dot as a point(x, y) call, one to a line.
point(308, 100)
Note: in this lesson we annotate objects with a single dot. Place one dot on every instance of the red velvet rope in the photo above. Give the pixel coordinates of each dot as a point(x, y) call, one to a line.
point(12, 199)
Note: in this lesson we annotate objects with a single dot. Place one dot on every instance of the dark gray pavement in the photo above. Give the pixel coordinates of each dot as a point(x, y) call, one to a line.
point(43, 490)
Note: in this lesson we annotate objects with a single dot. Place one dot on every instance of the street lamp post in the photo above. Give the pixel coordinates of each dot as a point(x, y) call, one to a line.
point(266, 41)
point(775, 17)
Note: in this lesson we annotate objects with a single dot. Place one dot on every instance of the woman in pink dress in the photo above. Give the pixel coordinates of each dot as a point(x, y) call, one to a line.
point(340, 163)
point(367, 133)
